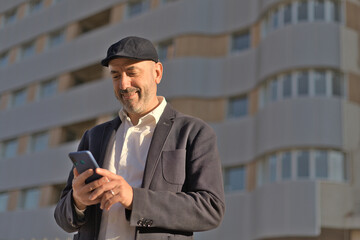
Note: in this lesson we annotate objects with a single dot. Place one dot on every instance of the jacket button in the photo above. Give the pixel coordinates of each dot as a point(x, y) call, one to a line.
point(140, 222)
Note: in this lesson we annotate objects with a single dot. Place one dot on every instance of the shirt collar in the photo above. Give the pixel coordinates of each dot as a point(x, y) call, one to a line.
point(155, 114)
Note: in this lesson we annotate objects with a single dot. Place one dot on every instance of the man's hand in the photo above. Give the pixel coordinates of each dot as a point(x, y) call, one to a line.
point(82, 191)
point(116, 190)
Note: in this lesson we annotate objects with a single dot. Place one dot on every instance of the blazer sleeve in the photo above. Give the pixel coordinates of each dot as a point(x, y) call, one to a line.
point(65, 214)
point(199, 206)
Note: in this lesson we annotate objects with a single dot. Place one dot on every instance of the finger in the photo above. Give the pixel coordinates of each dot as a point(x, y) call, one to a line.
point(105, 199)
point(105, 186)
point(75, 172)
point(106, 173)
point(83, 176)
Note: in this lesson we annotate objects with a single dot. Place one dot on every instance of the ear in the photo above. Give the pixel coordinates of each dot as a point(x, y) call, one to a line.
point(158, 72)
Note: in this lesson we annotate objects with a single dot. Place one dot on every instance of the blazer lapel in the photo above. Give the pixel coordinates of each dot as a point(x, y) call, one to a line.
point(159, 138)
point(112, 126)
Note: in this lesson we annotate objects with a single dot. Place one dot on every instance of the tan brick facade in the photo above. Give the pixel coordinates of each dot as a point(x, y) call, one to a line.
point(13, 54)
point(13, 199)
point(117, 13)
point(154, 3)
point(32, 91)
point(211, 110)
point(72, 31)
point(251, 176)
point(255, 35)
point(354, 88)
point(205, 46)
point(4, 100)
point(55, 137)
point(22, 11)
point(253, 99)
point(24, 141)
point(65, 81)
point(40, 44)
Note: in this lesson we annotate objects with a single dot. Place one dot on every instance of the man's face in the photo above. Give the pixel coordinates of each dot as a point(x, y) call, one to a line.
point(135, 84)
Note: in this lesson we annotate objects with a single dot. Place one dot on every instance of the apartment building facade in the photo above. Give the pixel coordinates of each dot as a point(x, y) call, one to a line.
point(278, 80)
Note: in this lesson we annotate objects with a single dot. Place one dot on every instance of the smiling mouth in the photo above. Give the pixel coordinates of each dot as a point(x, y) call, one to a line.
point(129, 92)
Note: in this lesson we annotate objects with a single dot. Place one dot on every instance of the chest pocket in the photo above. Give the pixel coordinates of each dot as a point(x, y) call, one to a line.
point(174, 166)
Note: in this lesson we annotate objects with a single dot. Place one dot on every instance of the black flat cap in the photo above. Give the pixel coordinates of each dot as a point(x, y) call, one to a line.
point(131, 47)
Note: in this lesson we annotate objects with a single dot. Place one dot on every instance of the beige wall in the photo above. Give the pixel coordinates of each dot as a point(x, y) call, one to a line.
point(13, 199)
point(199, 45)
point(117, 13)
point(4, 100)
point(72, 31)
point(154, 3)
point(251, 176)
point(255, 35)
point(55, 136)
point(32, 90)
point(13, 55)
point(22, 10)
point(211, 110)
point(354, 88)
point(65, 81)
point(40, 44)
point(253, 99)
point(353, 16)
point(23, 144)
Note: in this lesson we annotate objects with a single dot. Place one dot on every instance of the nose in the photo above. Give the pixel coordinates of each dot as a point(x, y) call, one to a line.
point(125, 82)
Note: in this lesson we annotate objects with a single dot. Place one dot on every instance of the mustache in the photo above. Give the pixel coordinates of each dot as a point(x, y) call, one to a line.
point(128, 90)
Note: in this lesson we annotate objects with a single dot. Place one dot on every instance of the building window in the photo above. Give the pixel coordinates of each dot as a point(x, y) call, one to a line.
point(241, 41)
point(273, 90)
point(315, 164)
point(319, 10)
point(320, 83)
point(303, 83)
point(27, 50)
point(19, 98)
point(287, 86)
point(4, 198)
point(4, 59)
point(272, 168)
point(287, 14)
point(166, 50)
point(10, 17)
point(137, 7)
point(35, 6)
point(238, 107)
point(9, 149)
point(303, 164)
point(275, 19)
point(334, 11)
point(56, 38)
point(321, 164)
point(39, 142)
point(29, 199)
point(337, 84)
point(286, 166)
point(48, 88)
point(234, 178)
point(302, 11)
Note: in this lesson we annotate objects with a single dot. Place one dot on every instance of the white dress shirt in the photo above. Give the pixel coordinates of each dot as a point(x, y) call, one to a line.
point(127, 157)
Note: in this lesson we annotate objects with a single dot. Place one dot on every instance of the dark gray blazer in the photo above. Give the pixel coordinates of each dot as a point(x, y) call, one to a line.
point(182, 189)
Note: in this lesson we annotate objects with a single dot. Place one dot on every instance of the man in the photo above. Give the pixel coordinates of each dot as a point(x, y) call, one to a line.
point(161, 170)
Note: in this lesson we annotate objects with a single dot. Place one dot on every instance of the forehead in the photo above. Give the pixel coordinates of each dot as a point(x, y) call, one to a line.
point(119, 63)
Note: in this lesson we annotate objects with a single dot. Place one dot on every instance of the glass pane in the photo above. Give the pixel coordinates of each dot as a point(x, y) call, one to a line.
point(28, 50)
point(287, 14)
point(137, 7)
point(40, 141)
point(337, 87)
point(303, 164)
point(235, 179)
point(320, 83)
point(35, 6)
point(4, 197)
point(335, 11)
point(56, 38)
point(238, 107)
point(262, 172)
point(10, 148)
point(319, 10)
point(275, 19)
point(303, 11)
point(321, 164)
point(10, 16)
point(4, 60)
point(336, 166)
point(48, 88)
point(287, 86)
point(31, 198)
point(272, 168)
point(303, 83)
point(286, 165)
point(19, 98)
point(241, 41)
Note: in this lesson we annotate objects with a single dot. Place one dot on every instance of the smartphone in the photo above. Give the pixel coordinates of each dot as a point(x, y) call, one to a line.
point(84, 160)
